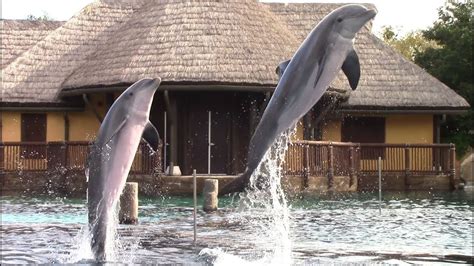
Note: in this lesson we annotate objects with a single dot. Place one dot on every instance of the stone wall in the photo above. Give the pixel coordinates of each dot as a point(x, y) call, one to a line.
point(73, 184)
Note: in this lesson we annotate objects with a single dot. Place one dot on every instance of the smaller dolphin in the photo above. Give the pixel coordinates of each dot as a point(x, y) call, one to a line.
point(112, 154)
point(304, 79)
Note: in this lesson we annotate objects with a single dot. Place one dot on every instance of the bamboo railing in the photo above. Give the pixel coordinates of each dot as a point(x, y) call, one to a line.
point(319, 158)
point(65, 156)
point(304, 158)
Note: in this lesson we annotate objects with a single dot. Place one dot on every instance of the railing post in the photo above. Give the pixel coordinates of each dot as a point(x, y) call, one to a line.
point(452, 164)
point(330, 166)
point(352, 180)
point(407, 164)
point(306, 165)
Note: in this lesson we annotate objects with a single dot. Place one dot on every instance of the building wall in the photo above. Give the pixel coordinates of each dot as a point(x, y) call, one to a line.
point(398, 129)
point(332, 131)
point(55, 126)
point(299, 133)
point(409, 129)
point(11, 126)
point(83, 126)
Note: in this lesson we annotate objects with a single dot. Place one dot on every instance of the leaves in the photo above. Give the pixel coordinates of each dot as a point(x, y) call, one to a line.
point(451, 62)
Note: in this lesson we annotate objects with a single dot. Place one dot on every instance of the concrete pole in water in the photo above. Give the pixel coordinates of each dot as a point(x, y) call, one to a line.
point(195, 204)
point(129, 204)
point(209, 192)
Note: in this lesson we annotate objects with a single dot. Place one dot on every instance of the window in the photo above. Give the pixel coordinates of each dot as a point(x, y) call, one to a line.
point(365, 130)
point(33, 131)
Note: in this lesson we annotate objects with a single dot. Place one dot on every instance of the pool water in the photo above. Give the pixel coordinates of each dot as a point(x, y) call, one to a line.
point(415, 227)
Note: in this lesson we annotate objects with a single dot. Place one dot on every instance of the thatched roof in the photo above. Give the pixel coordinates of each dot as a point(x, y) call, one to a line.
point(388, 80)
point(17, 36)
point(37, 75)
point(235, 43)
point(231, 41)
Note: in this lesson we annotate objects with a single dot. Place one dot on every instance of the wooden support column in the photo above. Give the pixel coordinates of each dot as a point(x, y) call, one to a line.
point(407, 164)
point(172, 111)
point(452, 164)
point(330, 167)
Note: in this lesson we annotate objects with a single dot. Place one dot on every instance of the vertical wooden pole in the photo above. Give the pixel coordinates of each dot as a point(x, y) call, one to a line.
point(195, 205)
point(452, 164)
point(380, 185)
point(407, 164)
point(306, 165)
point(330, 166)
point(352, 180)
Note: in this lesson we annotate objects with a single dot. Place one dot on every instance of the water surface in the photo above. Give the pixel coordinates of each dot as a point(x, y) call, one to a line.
point(418, 227)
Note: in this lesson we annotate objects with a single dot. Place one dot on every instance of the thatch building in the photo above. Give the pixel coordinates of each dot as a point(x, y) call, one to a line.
point(217, 60)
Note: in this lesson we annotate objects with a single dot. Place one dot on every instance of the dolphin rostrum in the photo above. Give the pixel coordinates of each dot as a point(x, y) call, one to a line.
point(112, 154)
point(304, 79)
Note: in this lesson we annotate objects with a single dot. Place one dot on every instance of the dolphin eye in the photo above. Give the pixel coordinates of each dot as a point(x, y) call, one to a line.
point(339, 19)
point(130, 94)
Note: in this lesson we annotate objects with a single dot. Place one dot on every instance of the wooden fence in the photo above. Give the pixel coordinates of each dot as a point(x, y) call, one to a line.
point(65, 156)
point(304, 158)
point(319, 158)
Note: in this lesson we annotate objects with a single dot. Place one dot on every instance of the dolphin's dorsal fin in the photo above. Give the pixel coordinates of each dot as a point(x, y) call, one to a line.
point(281, 67)
point(351, 68)
point(151, 136)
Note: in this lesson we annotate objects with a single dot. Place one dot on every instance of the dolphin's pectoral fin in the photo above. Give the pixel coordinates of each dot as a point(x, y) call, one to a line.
point(151, 136)
point(281, 67)
point(119, 127)
point(351, 68)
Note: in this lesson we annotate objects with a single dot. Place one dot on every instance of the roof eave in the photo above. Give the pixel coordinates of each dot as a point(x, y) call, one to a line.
point(174, 86)
point(41, 107)
point(404, 110)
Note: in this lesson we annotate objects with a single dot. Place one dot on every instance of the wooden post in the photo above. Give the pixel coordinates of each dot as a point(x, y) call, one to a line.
point(407, 164)
point(211, 187)
point(129, 204)
point(452, 164)
point(330, 166)
point(306, 165)
point(195, 206)
point(352, 180)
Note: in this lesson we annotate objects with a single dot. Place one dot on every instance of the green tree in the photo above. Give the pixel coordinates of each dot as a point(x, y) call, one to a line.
point(451, 63)
point(409, 45)
point(44, 17)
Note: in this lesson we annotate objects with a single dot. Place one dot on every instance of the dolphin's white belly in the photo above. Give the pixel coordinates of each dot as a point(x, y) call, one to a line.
point(121, 161)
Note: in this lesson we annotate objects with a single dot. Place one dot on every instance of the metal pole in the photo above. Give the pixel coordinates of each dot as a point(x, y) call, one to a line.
point(195, 203)
point(209, 146)
point(380, 185)
point(164, 143)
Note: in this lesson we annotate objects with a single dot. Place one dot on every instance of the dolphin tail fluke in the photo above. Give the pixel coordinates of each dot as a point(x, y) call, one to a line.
point(237, 185)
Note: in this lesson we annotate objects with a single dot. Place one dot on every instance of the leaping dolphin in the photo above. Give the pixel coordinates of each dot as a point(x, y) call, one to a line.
point(112, 154)
point(304, 79)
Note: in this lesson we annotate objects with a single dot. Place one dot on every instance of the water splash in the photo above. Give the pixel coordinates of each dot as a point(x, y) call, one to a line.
point(82, 252)
point(266, 203)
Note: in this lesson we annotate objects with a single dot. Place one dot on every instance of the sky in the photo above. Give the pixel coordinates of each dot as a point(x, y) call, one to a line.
point(403, 15)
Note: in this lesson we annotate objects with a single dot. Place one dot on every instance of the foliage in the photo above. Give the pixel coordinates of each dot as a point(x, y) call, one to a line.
point(409, 45)
point(451, 62)
point(44, 17)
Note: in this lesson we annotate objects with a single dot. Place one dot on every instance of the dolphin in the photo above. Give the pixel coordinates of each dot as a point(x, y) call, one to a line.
point(304, 79)
point(112, 154)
